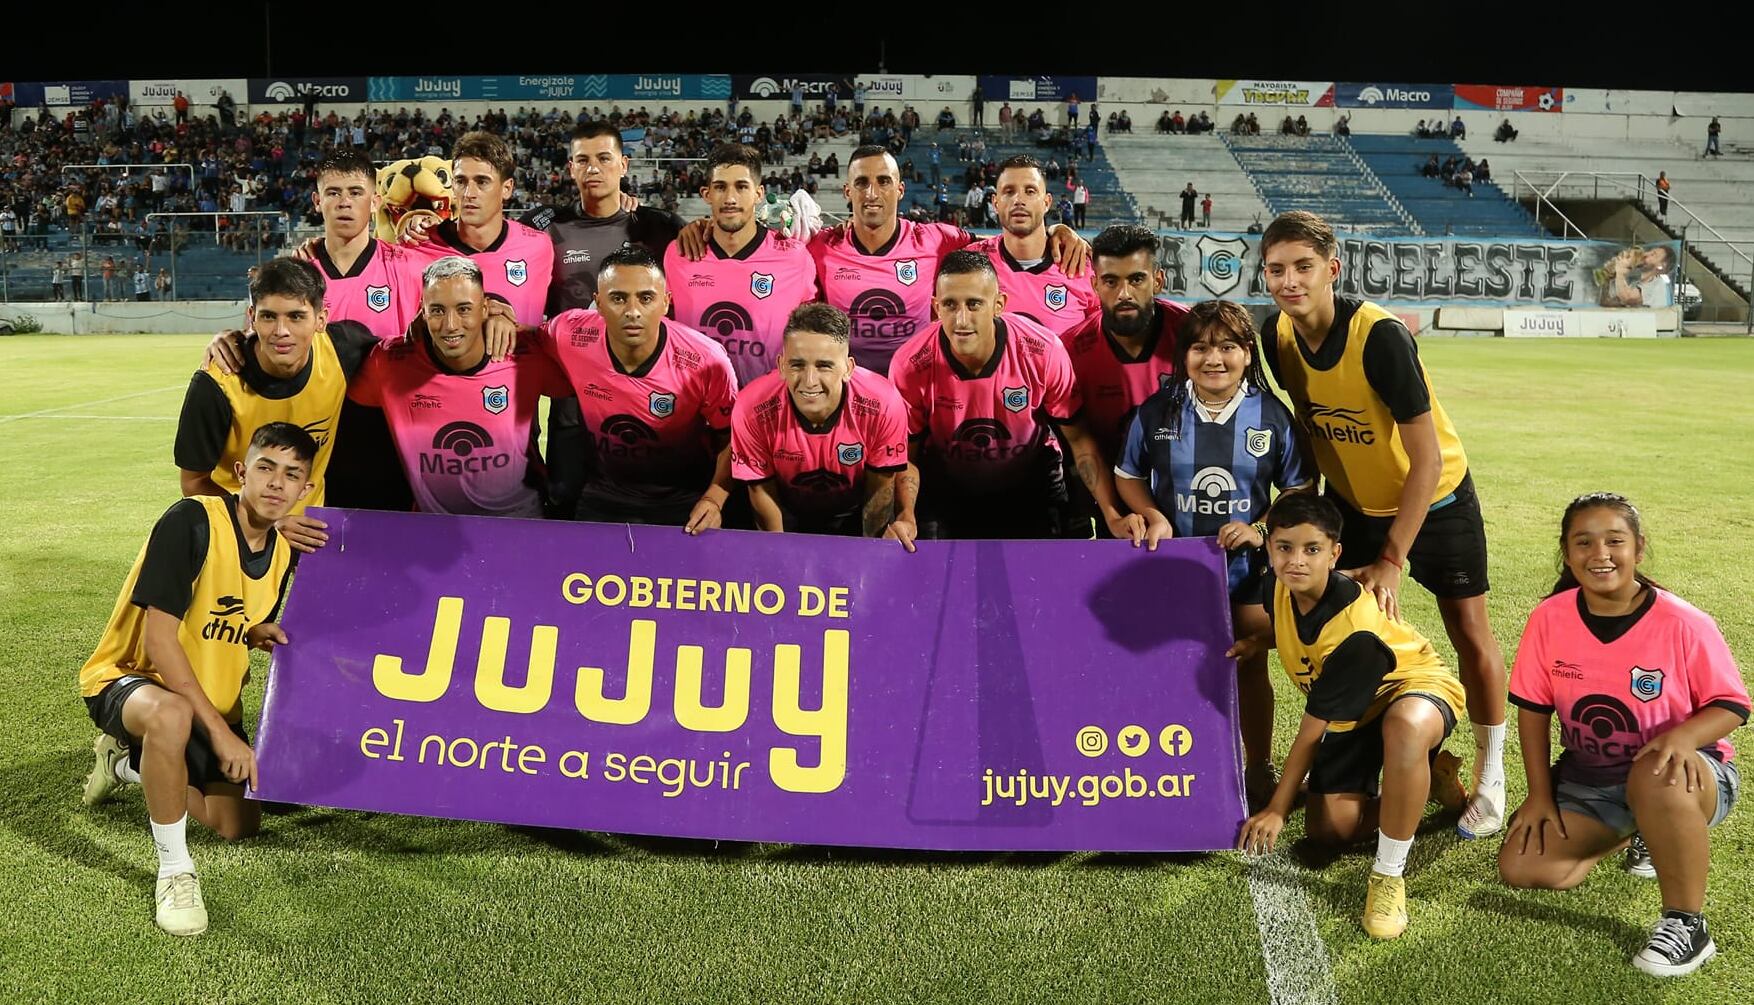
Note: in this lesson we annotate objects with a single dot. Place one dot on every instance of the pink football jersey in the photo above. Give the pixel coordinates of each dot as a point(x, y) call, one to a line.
point(1043, 293)
point(742, 301)
point(986, 429)
point(464, 438)
point(819, 470)
point(887, 291)
point(516, 267)
point(1613, 698)
point(380, 291)
point(1114, 386)
point(652, 427)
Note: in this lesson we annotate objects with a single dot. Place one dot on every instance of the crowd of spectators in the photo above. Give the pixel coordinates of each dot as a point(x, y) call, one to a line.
point(1457, 172)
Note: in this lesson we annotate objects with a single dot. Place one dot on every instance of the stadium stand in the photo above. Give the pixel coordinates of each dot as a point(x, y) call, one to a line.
point(1154, 169)
point(1708, 192)
point(1321, 174)
point(1437, 206)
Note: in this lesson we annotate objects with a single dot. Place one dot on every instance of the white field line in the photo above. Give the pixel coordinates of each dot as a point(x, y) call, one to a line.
point(88, 404)
point(1295, 958)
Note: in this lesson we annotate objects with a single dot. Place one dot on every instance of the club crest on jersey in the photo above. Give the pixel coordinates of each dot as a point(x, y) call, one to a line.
point(662, 404)
point(516, 271)
point(1054, 296)
point(1258, 442)
point(761, 284)
point(908, 271)
point(1016, 399)
point(377, 298)
point(850, 453)
point(1647, 685)
point(495, 399)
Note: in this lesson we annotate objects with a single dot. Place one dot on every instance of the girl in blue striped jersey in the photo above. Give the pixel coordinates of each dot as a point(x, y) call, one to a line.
point(1202, 458)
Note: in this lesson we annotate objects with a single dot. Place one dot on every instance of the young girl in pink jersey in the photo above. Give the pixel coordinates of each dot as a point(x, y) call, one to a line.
point(1646, 691)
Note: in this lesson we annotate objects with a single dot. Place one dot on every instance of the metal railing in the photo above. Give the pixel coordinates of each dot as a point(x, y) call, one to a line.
point(1381, 187)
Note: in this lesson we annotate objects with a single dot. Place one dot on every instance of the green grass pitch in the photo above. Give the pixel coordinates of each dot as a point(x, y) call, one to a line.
point(330, 906)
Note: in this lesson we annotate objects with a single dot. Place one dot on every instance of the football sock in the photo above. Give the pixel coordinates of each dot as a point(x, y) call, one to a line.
point(1489, 745)
point(173, 850)
point(1391, 855)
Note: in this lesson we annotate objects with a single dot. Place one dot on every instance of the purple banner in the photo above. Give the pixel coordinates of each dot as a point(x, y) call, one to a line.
point(1000, 695)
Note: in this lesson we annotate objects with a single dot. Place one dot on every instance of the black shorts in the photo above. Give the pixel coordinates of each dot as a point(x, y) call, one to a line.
point(1250, 591)
point(105, 709)
point(1352, 761)
point(1449, 555)
point(603, 508)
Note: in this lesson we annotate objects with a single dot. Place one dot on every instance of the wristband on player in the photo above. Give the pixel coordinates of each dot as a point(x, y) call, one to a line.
point(1261, 529)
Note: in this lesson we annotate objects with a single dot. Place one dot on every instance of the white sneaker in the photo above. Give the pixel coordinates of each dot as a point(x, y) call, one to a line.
point(108, 752)
point(181, 911)
point(1485, 813)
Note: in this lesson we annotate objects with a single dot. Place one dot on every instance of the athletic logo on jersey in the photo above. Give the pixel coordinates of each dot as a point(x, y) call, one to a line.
point(495, 399)
point(850, 453)
point(516, 271)
point(1258, 442)
point(662, 404)
point(1054, 296)
point(1221, 263)
point(377, 298)
point(1647, 685)
point(761, 284)
point(1016, 399)
point(908, 271)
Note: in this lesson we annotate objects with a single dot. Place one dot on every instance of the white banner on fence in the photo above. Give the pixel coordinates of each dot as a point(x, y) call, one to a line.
point(1541, 324)
point(152, 93)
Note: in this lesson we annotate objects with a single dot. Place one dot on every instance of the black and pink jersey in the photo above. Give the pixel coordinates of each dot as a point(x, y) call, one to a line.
point(886, 291)
point(463, 438)
point(1113, 384)
point(515, 267)
point(653, 428)
point(381, 290)
point(1041, 292)
point(985, 431)
point(818, 469)
point(742, 301)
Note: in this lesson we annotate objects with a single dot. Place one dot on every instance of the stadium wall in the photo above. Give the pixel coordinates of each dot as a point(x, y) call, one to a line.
point(126, 318)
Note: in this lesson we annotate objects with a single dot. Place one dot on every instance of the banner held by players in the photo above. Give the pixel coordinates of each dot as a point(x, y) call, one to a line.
point(1057, 695)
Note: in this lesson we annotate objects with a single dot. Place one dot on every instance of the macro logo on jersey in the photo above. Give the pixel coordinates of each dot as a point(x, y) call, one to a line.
point(850, 453)
point(1258, 442)
point(908, 271)
point(1221, 263)
point(822, 480)
point(1595, 721)
point(495, 399)
point(1647, 685)
point(377, 298)
point(878, 313)
point(516, 271)
point(460, 448)
point(760, 284)
point(229, 623)
point(625, 436)
point(725, 319)
point(1055, 297)
point(1016, 399)
point(1214, 495)
point(983, 440)
point(1336, 424)
point(662, 403)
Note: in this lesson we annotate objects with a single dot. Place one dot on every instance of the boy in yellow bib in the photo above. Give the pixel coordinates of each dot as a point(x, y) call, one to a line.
point(1394, 467)
point(1379, 702)
point(166, 680)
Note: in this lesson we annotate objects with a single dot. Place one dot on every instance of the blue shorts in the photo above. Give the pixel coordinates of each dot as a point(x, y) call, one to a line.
point(1607, 803)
